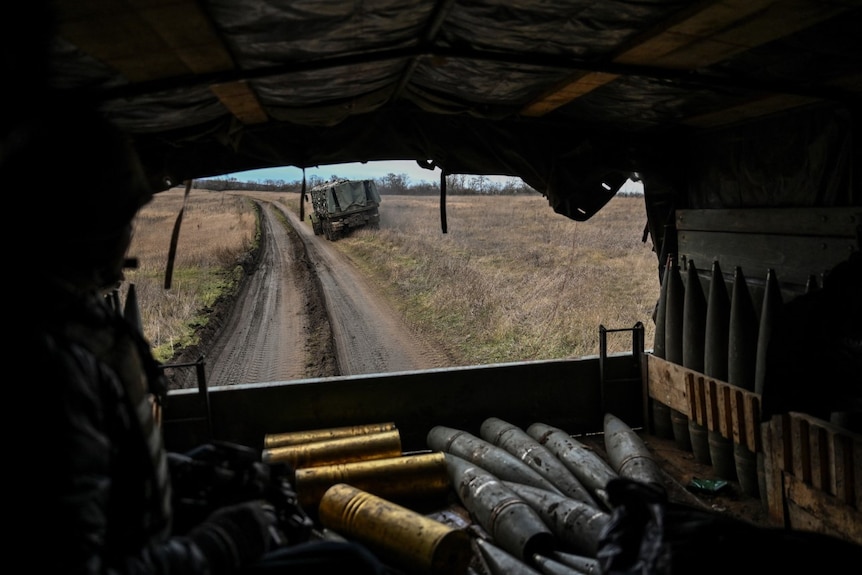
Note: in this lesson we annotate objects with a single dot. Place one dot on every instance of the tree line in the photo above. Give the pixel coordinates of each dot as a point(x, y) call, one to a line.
point(390, 184)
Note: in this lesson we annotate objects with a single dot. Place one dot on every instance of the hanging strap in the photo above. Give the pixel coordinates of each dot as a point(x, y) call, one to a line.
point(443, 224)
point(302, 199)
point(172, 254)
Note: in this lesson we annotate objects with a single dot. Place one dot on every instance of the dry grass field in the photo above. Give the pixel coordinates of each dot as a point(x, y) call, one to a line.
point(510, 280)
point(217, 233)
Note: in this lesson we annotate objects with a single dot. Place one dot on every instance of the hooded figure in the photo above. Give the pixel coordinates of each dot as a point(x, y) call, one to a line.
point(98, 480)
point(90, 186)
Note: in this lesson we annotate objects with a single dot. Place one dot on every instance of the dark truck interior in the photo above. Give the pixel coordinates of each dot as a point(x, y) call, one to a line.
point(741, 119)
point(710, 104)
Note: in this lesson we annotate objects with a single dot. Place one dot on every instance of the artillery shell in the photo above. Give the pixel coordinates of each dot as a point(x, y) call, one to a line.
point(307, 436)
point(581, 563)
point(715, 365)
point(693, 337)
point(674, 346)
point(769, 315)
point(548, 566)
point(399, 535)
point(660, 411)
point(485, 454)
point(343, 450)
point(743, 335)
point(628, 454)
point(408, 477)
point(588, 466)
point(517, 442)
point(500, 562)
point(513, 525)
point(575, 524)
point(717, 326)
point(741, 370)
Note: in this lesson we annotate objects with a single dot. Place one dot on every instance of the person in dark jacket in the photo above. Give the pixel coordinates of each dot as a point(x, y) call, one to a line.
point(101, 484)
point(91, 487)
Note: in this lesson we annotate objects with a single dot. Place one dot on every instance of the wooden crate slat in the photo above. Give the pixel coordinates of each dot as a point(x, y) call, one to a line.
point(752, 418)
point(842, 456)
point(666, 383)
point(786, 445)
point(737, 406)
point(811, 474)
point(700, 399)
point(713, 399)
point(814, 510)
point(722, 407)
point(773, 460)
point(801, 450)
point(819, 449)
point(725, 410)
point(691, 396)
point(846, 452)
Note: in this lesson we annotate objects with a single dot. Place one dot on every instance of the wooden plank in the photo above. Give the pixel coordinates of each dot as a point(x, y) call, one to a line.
point(813, 510)
point(725, 412)
point(242, 102)
point(705, 34)
point(816, 459)
point(811, 221)
point(713, 400)
point(773, 449)
point(737, 407)
point(794, 258)
point(693, 27)
point(759, 22)
point(801, 459)
point(821, 478)
point(833, 454)
point(700, 399)
point(731, 410)
point(581, 84)
point(752, 422)
point(666, 383)
point(842, 455)
point(691, 395)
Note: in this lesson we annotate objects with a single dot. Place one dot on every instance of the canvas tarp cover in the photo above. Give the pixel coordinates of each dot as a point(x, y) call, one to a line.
point(352, 196)
point(573, 97)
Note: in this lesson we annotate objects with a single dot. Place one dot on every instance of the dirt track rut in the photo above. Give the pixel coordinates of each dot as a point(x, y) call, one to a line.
point(303, 304)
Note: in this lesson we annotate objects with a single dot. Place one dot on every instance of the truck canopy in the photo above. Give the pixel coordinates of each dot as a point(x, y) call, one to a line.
point(708, 104)
point(348, 195)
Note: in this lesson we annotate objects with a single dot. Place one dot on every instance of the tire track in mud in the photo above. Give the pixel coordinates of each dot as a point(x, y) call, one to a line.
point(259, 342)
point(305, 311)
point(369, 334)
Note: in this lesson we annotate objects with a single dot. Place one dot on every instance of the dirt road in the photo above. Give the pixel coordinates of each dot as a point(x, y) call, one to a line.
point(306, 312)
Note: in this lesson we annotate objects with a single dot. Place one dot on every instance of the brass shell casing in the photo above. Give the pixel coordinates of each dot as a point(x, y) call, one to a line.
point(413, 477)
point(403, 537)
point(309, 435)
point(331, 451)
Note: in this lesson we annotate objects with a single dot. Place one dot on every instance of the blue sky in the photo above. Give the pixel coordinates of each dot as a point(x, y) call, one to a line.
point(357, 171)
point(367, 171)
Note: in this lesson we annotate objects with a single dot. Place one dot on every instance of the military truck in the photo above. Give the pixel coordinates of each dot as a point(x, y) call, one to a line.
point(741, 120)
point(342, 206)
